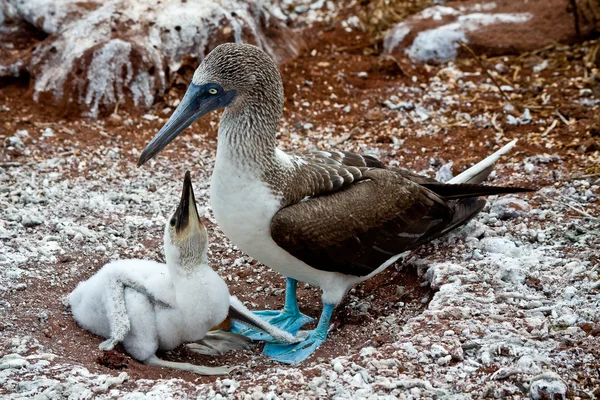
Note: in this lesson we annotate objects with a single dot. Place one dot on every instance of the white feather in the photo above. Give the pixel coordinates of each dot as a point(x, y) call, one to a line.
point(480, 171)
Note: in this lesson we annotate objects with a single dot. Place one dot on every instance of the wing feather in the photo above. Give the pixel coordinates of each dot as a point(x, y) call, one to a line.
point(356, 229)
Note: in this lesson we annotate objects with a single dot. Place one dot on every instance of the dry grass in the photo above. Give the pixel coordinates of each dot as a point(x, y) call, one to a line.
point(379, 16)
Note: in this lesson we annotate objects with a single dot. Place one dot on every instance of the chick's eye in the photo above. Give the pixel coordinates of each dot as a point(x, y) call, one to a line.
point(213, 91)
point(173, 221)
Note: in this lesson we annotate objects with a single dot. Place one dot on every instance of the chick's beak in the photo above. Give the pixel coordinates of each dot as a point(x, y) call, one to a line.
point(186, 213)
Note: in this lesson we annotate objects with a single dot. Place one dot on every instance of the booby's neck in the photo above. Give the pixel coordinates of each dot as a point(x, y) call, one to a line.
point(247, 135)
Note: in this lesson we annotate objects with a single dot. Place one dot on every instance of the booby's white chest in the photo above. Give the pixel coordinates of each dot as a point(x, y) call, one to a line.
point(243, 206)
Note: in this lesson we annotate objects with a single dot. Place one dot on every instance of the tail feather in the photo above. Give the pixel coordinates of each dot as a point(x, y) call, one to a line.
point(465, 190)
point(464, 210)
point(480, 171)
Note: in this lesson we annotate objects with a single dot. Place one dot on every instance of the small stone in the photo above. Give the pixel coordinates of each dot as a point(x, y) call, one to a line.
point(48, 132)
point(444, 360)
point(547, 386)
point(566, 320)
point(400, 290)
point(14, 145)
point(31, 220)
point(338, 367)
point(101, 249)
point(509, 207)
point(438, 351)
point(13, 361)
point(529, 167)
point(367, 351)
point(526, 117)
point(569, 292)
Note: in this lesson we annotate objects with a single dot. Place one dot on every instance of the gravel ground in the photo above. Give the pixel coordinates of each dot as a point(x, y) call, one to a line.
point(507, 307)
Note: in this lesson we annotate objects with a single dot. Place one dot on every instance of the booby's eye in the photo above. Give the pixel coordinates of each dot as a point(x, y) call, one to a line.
point(173, 221)
point(213, 91)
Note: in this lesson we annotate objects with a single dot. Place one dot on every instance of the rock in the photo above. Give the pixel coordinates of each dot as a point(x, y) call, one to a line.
point(444, 174)
point(31, 220)
point(338, 367)
point(566, 320)
point(443, 273)
point(96, 54)
point(499, 245)
point(13, 361)
point(529, 167)
point(510, 272)
point(438, 351)
point(547, 386)
point(14, 145)
point(490, 28)
point(509, 207)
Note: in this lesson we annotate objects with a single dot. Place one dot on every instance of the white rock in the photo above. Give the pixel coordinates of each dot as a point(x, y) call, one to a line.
point(438, 351)
point(529, 167)
point(338, 367)
point(499, 245)
point(547, 386)
point(509, 207)
point(31, 220)
point(13, 361)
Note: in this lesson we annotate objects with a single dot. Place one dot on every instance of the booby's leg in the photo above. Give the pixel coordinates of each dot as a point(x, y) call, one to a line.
point(290, 319)
point(296, 353)
point(189, 367)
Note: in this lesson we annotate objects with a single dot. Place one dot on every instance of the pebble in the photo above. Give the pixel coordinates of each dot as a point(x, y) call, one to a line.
point(15, 361)
point(547, 386)
point(31, 220)
point(338, 367)
point(529, 167)
point(438, 351)
point(48, 132)
point(509, 207)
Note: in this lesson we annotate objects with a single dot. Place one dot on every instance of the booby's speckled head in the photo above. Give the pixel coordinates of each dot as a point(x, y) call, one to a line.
point(186, 239)
point(238, 77)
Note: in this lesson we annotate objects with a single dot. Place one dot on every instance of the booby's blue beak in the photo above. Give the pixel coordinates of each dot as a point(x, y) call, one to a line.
point(198, 101)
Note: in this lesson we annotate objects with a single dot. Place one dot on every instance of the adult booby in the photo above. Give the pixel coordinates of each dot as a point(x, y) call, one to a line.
point(328, 218)
point(148, 306)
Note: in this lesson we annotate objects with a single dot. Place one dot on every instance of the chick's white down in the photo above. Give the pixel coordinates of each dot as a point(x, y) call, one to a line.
point(149, 306)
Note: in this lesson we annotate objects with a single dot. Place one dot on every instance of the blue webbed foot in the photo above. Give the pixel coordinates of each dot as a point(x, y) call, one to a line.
point(298, 352)
point(290, 319)
point(295, 353)
point(290, 322)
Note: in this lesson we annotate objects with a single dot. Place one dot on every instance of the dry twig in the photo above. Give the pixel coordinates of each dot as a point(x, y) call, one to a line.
point(487, 72)
point(547, 131)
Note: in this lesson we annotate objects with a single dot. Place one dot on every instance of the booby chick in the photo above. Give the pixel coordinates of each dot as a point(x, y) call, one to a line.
point(328, 218)
point(149, 306)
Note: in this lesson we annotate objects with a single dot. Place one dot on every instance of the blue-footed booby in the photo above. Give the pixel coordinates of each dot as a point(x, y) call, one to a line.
point(328, 218)
point(149, 306)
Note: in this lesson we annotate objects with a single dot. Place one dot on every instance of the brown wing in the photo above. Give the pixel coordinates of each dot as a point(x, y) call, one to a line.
point(356, 229)
point(324, 172)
